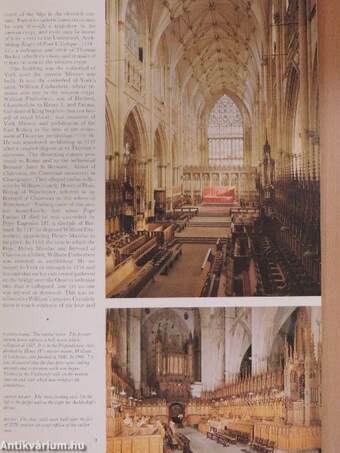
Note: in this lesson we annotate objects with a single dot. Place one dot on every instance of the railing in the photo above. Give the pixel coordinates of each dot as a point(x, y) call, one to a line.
point(243, 386)
point(290, 438)
point(218, 168)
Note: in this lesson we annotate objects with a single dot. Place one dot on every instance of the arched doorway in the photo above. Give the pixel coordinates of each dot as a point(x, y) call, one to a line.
point(177, 413)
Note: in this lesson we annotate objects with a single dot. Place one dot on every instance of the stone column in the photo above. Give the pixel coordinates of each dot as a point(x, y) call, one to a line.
point(303, 67)
point(134, 341)
point(191, 181)
point(247, 146)
point(116, 165)
point(145, 182)
point(149, 187)
point(112, 166)
point(123, 339)
point(190, 370)
point(108, 168)
point(212, 347)
point(164, 185)
point(205, 147)
point(228, 327)
point(316, 156)
point(120, 89)
point(316, 328)
point(308, 363)
point(262, 337)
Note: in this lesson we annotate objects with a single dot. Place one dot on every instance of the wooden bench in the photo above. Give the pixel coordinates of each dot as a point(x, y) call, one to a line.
point(184, 443)
point(170, 261)
point(222, 439)
point(212, 435)
point(243, 438)
point(262, 445)
point(231, 436)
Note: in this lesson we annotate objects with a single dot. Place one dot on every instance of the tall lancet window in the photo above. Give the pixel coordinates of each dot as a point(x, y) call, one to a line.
point(225, 134)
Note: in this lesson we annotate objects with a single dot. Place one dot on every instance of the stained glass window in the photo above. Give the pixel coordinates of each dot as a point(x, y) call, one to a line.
point(225, 134)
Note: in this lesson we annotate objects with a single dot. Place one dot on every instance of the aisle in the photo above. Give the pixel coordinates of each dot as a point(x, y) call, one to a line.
point(200, 444)
point(211, 222)
point(183, 277)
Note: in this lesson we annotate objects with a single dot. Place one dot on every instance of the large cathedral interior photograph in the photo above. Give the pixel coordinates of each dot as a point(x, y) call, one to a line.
point(212, 148)
point(201, 380)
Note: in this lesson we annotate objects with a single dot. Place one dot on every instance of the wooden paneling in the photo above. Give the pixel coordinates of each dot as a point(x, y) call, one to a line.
point(135, 444)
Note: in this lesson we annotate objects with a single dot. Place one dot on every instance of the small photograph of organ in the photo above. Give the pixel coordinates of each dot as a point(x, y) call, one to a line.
point(199, 380)
point(212, 148)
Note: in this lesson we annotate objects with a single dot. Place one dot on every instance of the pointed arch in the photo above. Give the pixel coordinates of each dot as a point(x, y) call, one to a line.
point(315, 93)
point(291, 106)
point(169, 324)
point(135, 117)
point(160, 156)
point(160, 133)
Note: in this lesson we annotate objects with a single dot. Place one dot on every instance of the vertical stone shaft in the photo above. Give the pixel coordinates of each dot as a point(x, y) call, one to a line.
point(304, 98)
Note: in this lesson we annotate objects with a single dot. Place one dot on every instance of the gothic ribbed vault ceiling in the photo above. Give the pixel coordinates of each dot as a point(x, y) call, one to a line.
point(214, 46)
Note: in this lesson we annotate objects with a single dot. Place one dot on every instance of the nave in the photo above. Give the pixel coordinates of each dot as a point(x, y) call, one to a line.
point(197, 239)
point(210, 251)
point(212, 104)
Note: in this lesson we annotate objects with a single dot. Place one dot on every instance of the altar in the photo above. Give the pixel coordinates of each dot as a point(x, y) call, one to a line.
point(219, 195)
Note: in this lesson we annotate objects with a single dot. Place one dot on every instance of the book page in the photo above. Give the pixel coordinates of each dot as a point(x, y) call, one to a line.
point(52, 97)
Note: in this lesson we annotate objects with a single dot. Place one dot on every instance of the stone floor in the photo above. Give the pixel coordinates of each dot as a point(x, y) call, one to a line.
point(214, 209)
point(183, 277)
point(207, 226)
point(200, 444)
point(210, 219)
point(214, 232)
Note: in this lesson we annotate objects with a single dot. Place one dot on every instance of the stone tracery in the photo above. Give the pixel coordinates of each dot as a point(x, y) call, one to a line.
point(225, 134)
